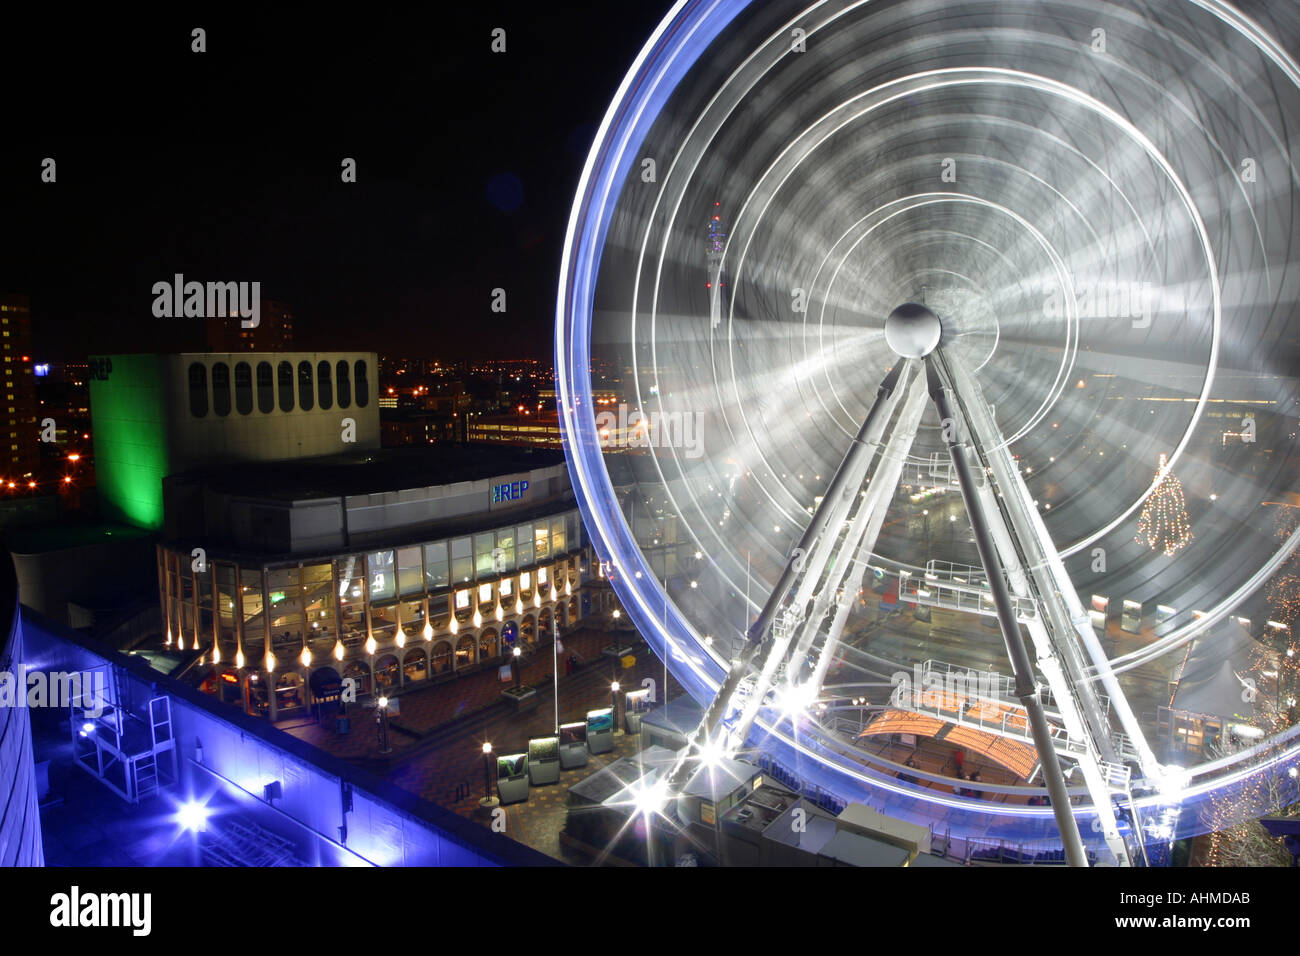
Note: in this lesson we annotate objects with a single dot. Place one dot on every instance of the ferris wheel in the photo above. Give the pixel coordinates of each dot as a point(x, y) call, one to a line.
point(901, 345)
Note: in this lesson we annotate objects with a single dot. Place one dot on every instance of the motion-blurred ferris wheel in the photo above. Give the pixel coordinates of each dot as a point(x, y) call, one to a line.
point(884, 322)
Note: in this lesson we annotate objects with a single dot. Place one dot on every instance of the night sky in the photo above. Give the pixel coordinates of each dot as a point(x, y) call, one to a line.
point(225, 166)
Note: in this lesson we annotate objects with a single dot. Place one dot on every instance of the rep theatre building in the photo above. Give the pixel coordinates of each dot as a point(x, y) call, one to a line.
point(392, 567)
point(294, 552)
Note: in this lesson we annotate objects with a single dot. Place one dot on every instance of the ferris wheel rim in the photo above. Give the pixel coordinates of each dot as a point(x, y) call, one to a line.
point(575, 396)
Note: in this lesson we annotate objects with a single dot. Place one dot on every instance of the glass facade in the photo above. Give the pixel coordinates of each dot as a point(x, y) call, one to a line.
point(384, 618)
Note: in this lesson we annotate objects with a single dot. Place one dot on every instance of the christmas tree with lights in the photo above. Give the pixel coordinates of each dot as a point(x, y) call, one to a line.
point(1163, 524)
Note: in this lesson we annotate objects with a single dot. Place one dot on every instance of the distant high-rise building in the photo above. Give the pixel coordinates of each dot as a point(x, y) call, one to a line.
point(19, 448)
point(274, 332)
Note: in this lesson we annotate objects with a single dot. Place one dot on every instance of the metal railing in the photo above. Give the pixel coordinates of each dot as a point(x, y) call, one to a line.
point(957, 588)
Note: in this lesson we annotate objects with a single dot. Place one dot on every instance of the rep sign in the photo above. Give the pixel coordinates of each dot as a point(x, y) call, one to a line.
point(508, 492)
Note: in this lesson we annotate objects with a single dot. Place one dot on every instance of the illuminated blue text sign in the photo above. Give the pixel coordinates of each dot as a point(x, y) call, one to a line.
point(509, 491)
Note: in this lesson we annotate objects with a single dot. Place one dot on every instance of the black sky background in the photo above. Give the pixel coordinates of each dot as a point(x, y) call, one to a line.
point(225, 166)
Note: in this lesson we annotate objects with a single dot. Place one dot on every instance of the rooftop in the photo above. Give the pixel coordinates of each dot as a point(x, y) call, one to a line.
point(372, 471)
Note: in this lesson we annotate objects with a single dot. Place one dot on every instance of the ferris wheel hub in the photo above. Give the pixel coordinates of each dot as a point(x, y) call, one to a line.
point(912, 330)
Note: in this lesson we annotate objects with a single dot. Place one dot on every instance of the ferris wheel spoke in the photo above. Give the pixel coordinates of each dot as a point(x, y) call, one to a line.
point(729, 718)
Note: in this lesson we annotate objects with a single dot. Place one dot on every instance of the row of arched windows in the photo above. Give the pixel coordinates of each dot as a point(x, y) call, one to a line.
point(323, 386)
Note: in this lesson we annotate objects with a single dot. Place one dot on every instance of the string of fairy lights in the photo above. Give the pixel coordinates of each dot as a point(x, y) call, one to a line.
point(1163, 524)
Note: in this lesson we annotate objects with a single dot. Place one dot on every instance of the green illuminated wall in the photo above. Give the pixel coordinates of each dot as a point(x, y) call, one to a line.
point(130, 434)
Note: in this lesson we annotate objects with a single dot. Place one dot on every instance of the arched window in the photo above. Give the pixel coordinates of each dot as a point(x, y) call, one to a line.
point(362, 388)
point(414, 665)
point(324, 387)
point(464, 651)
point(289, 691)
point(221, 388)
point(359, 673)
point(198, 390)
point(386, 673)
point(343, 384)
point(265, 388)
point(284, 372)
point(243, 388)
point(306, 394)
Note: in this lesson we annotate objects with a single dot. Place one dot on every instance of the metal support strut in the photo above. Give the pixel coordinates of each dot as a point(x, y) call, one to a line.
point(1026, 689)
point(790, 644)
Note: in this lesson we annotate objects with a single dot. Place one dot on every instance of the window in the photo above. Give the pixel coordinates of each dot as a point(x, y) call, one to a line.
point(462, 600)
point(198, 390)
point(221, 389)
point(284, 374)
point(484, 594)
point(383, 580)
point(265, 388)
point(542, 540)
point(306, 394)
point(363, 386)
point(524, 545)
point(435, 565)
point(506, 542)
point(243, 388)
point(483, 563)
point(409, 576)
point(462, 561)
point(344, 384)
point(324, 388)
point(557, 535)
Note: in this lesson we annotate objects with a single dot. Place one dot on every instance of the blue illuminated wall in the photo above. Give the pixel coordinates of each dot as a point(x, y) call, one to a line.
point(20, 821)
point(386, 826)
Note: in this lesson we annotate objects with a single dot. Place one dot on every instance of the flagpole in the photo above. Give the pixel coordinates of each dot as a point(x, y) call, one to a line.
point(555, 662)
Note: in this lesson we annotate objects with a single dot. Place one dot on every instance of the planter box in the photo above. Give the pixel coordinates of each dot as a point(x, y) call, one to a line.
point(543, 771)
point(513, 789)
point(523, 699)
point(573, 756)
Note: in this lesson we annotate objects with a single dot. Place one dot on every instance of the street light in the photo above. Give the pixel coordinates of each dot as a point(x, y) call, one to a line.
point(515, 655)
point(613, 700)
point(381, 705)
point(488, 800)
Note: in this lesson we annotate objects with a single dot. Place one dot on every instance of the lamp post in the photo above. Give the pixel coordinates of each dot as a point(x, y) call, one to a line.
point(514, 664)
point(488, 800)
point(613, 704)
point(381, 706)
